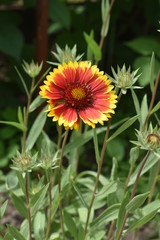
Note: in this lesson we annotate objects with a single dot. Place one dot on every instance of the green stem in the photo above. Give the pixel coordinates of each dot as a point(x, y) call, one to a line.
point(26, 116)
point(98, 174)
point(59, 185)
point(28, 207)
point(133, 192)
point(50, 206)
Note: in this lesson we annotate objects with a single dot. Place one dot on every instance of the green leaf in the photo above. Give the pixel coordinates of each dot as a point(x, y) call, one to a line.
point(155, 108)
point(8, 236)
point(122, 128)
point(106, 216)
point(19, 205)
point(95, 139)
point(36, 129)
point(145, 45)
point(70, 224)
point(134, 154)
point(77, 190)
point(15, 233)
point(81, 233)
point(14, 124)
point(136, 102)
point(21, 181)
point(90, 55)
point(121, 214)
point(3, 208)
point(136, 202)
point(114, 169)
point(151, 161)
point(94, 46)
point(152, 71)
point(37, 200)
point(20, 116)
point(144, 110)
point(108, 189)
point(36, 103)
point(23, 81)
point(105, 9)
point(39, 225)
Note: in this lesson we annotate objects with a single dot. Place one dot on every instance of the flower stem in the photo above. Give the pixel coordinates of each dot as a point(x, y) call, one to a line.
point(98, 174)
point(153, 98)
point(26, 116)
point(133, 192)
point(28, 207)
point(50, 205)
point(59, 185)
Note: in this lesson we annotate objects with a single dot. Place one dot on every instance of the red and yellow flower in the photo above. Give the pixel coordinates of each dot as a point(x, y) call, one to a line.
point(78, 91)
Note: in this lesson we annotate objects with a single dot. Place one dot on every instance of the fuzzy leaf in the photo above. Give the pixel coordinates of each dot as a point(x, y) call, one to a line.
point(152, 70)
point(36, 103)
point(15, 233)
point(70, 224)
point(3, 208)
point(14, 124)
point(94, 46)
point(19, 205)
point(136, 202)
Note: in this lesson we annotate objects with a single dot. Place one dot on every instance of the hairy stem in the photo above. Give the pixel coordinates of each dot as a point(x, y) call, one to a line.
point(133, 192)
point(59, 185)
point(28, 207)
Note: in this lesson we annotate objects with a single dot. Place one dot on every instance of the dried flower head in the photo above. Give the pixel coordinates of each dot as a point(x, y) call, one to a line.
point(32, 69)
point(79, 91)
point(125, 79)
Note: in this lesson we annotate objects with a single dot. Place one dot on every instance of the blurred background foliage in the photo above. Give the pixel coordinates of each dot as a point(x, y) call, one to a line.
point(131, 39)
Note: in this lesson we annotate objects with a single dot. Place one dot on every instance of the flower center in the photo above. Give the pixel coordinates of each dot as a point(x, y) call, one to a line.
point(153, 138)
point(78, 93)
point(78, 96)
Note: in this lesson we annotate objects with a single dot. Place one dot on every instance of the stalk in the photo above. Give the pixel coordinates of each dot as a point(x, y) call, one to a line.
point(28, 207)
point(59, 185)
point(133, 192)
point(50, 205)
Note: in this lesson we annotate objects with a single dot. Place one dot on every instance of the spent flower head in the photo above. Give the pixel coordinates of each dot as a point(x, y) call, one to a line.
point(125, 79)
point(24, 162)
point(149, 139)
point(66, 55)
point(32, 69)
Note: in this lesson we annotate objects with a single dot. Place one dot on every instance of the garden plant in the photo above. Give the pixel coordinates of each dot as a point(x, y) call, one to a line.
point(58, 199)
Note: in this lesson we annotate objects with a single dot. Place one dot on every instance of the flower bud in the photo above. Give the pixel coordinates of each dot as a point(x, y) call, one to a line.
point(32, 69)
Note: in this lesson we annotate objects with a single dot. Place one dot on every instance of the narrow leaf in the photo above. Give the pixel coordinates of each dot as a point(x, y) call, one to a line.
point(136, 202)
point(156, 108)
point(94, 46)
point(15, 233)
point(136, 102)
point(77, 190)
point(122, 128)
point(14, 124)
point(144, 110)
point(121, 214)
point(20, 116)
point(70, 224)
point(19, 205)
point(36, 103)
point(3, 208)
point(36, 129)
point(23, 82)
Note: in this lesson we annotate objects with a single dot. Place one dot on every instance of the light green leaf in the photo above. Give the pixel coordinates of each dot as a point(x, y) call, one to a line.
point(121, 214)
point(15, 124)
point(155, 108)
point(134, 154)
point(19, 205)
point(90, 55)
point(70, 224)
point(108, 189)
point(94, 46)
point(106, 216)
point(36, 129)
point(39, 225)
point(8, 236)
point(36, 103)
point(23, 82)
point(21, 181)
point(152, 71)
point(15, 233)
point(81, 233)
point(37, 200)
point(144, 110)
point(20, 116)
point(136, 202)
point(122, 128)
point(105, 9)
point(114, 169)
point(3, 208)
point(77, 190)
point(151, 161)
point(136, 102)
